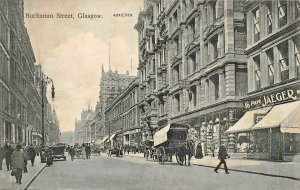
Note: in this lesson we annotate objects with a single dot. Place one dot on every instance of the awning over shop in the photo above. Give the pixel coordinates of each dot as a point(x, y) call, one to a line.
point(247, 121)
point(291, 124)
point(112, 136)
point(161, 135)
point(103, 140)
point(280, 114)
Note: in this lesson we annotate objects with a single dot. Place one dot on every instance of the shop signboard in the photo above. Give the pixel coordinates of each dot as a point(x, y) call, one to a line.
point(285, 94)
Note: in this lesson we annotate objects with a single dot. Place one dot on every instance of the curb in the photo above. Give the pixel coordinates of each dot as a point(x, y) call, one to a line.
point(33, 178)
point(243, 171)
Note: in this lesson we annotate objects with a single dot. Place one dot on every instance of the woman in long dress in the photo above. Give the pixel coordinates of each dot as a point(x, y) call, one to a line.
point(199, 153)
point(83, 152)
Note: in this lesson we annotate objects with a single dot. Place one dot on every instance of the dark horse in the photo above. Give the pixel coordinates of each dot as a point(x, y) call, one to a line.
point(186, 149)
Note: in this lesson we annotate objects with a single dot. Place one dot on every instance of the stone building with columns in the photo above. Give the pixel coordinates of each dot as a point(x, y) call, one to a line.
point(273, 96)
point(192, 65)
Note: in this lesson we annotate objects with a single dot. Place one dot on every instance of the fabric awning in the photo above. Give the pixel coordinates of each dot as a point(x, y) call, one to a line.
point(112, 136)
point(247, 121)
point(278, 115)
point(104, 139)
point(291, 124)
point(161, 136)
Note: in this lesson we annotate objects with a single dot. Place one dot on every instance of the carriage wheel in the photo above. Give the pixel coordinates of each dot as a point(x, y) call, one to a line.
point(161, 155)
point(179, 158)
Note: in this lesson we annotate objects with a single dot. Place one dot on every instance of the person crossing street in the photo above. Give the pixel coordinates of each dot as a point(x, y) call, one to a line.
point(222, 156)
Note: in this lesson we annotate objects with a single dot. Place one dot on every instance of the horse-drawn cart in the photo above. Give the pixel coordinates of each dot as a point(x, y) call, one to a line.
point(172, 140)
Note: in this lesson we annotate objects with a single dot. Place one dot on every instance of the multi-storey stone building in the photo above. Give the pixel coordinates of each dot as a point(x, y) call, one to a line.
point(192, 65)
point(272, 103)
point(83, 127)
point(20, 98)
point(122, 117)
point(111, 84)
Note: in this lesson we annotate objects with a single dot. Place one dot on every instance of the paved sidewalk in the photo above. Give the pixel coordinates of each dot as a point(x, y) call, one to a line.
point(9, 182)
point(276, 169)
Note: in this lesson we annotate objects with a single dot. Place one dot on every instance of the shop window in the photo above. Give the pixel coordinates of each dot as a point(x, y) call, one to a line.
point(297, 54)
point(270, 57)
point(269, 17)
point(283, 60)
point(256, 18)
point(282, 12)
point(257, 72)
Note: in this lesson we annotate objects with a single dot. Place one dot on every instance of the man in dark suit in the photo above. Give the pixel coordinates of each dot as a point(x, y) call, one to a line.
point(222, 156)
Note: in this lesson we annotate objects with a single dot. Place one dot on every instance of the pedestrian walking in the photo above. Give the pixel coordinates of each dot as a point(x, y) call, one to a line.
point(83, 152)
point(18, 162)
point(212, 149)
point(8, 150)
point(199, 153)
point(222, 156)
point(2, 156)
point(88, 152)
point(31, 154)
point(72, 152)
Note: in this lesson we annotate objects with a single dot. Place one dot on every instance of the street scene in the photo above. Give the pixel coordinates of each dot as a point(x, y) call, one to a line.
point(150, 94)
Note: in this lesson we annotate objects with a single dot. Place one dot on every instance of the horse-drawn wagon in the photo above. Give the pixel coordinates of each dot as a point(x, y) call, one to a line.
point(172, 140)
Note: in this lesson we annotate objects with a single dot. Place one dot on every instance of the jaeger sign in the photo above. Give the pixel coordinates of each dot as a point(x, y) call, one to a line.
point(276, 97)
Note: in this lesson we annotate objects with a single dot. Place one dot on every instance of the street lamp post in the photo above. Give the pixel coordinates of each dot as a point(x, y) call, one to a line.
point(45, 81)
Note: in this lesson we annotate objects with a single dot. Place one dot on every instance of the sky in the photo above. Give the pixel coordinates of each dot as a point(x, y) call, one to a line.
point(72, 51)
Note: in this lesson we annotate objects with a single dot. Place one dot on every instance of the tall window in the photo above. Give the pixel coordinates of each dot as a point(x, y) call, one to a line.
point(177, 44)
point(177, 99)
point(192, 64)
point(282, 12)
point(214, 10)
point(214, 43)
point(297, 8)
point(269, 17)
point(270, 57)
point(176, 75)
point(257, 71)
point(297, 54)
point(175, 16)
point(283, 60)
point(194, 95)
point(256, 16)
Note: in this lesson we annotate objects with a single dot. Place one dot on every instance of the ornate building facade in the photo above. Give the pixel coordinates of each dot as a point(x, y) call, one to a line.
point(122, 117)
point(192, 66)
point(273, 99)
point(111, 85)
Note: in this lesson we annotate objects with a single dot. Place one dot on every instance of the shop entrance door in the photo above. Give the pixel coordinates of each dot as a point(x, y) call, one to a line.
point(276, 145)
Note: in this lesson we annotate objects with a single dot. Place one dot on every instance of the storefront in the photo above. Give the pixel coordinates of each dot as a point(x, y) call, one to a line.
point(271, 125)
point(132, 137)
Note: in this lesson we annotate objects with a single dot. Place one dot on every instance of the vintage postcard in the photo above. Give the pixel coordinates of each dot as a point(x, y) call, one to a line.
point(150, 94)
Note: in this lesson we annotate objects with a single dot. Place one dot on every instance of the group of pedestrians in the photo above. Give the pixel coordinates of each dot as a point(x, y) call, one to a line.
point(84, 151)
point(16, 159)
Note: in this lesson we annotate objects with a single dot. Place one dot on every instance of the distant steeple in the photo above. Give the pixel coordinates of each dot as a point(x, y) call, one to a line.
point(102, 69)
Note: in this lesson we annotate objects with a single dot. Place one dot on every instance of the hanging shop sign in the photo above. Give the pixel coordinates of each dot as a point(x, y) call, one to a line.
point(285, 94)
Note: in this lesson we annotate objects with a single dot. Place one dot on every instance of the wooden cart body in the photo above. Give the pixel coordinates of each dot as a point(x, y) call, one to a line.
point(170, 144)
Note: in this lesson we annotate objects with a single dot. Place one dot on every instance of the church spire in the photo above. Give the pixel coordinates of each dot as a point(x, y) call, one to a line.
point(102, 69)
